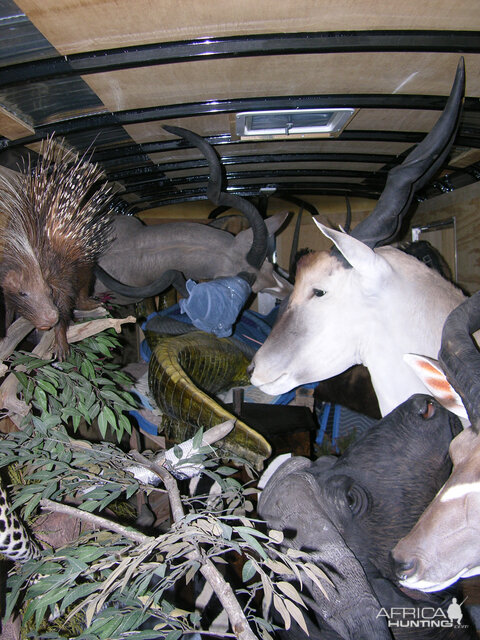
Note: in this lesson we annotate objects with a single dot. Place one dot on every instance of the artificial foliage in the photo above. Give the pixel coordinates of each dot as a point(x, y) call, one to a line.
point(116, 581)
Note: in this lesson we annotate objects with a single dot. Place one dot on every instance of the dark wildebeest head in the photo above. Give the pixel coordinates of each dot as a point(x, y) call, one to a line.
point(363, 502)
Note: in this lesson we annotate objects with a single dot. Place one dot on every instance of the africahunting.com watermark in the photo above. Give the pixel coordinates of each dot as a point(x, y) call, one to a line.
point(424, 617)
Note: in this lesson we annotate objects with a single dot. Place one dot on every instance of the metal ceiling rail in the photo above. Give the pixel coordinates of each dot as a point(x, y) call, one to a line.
point(372, 158)
point(371, 189)
point(85, 63)
point(101, 154)
point(265, 176)
point(195, 195)
point(150, 114)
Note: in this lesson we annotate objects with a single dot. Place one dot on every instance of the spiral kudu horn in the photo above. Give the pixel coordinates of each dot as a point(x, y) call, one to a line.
point(459, 355)
point(383, 224)
point(216, 192)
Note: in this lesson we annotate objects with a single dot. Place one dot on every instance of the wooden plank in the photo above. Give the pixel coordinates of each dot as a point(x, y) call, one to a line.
point(409, 73)
point(73, 26)
point(12, 127)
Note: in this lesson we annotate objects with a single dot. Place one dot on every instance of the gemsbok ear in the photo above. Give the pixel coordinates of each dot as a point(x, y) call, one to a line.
point(432, 376)
point(358, 255)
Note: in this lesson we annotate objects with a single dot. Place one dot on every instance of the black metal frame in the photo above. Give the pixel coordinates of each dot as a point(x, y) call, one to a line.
point(239, 46)
point(130, 164)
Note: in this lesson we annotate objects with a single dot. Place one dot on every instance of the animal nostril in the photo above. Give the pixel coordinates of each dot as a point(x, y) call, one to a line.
point(250, 368)
point(405, 569)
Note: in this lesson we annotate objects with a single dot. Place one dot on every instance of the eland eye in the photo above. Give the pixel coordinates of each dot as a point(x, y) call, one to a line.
point(318, 293)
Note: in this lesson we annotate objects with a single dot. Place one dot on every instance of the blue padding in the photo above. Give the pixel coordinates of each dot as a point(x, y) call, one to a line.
point(214, 306)
point(336, 427)
point(323, 422)
point(144, 424)
point(252, 327)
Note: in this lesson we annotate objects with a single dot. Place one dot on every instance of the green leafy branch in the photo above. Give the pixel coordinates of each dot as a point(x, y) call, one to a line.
point(88, 386)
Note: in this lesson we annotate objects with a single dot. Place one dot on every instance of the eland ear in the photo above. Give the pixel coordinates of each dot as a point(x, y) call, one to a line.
point(432, 376)
point(358, 255)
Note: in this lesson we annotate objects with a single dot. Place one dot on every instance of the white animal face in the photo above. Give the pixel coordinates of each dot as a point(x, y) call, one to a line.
point(320, 278)
point(369, 309)
point(443, 545)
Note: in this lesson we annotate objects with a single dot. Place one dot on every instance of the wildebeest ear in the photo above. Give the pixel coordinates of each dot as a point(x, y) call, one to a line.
point(275, 222)
point(432, 376)
point(369, 264)
point(243, 239)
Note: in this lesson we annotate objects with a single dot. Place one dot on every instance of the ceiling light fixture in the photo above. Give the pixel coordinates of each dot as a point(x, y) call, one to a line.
point(292, 123)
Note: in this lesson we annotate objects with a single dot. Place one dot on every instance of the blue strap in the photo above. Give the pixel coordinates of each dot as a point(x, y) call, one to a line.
point(323, 422)
point(336, 427)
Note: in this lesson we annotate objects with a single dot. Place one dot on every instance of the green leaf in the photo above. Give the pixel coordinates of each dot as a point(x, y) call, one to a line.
point(47, 386)
point(41, 397)
point(89, 505)
point(296, 614)
point(248, 571)
point(197, 439)
point(289, 590)
point(22, 378)
point(253, 543)
point(102, 423)
point(282, 610)
point(78, 593)
point(124, 424)
point(110, 417)
point(178, 451)
point(226, 471)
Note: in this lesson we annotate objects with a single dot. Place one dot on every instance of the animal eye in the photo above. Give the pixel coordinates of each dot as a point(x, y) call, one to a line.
point(22, 294)
point(318, 293)
point(428, 410)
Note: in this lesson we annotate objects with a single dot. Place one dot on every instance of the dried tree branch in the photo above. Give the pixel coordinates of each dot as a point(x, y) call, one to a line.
point(222, 589)
point(95, 521)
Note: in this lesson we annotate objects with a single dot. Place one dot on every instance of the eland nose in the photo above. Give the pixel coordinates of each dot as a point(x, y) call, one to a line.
point(405, 569)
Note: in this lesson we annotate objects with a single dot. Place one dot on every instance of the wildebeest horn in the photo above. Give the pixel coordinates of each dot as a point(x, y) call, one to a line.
point(459, 356)
point(383, 224)
point(216, 192)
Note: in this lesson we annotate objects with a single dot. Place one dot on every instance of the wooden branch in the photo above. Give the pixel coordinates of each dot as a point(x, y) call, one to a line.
point(16, 332)
point(220, 586)
point(95, 521)
point(169, 482)
point(83, 330)
point(225, 594)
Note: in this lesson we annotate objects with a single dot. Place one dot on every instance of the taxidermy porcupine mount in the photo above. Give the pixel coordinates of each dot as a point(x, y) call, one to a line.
point(59, 223)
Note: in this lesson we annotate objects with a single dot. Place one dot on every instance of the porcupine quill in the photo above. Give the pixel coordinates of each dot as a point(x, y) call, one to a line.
point(59, 224)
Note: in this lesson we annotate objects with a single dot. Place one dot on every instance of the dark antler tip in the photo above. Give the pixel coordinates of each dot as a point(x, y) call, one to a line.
point(177, 131)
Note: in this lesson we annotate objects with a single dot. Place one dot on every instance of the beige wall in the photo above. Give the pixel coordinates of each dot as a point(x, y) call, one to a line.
point(463, 204)
point(331, 209)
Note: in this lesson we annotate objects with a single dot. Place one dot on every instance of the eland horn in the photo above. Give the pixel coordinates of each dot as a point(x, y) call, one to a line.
point(383, 224)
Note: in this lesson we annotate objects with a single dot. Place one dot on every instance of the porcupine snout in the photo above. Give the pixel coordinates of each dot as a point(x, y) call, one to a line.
point(39, 309)
point(29, 295)
point(48, 320)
